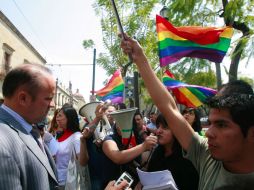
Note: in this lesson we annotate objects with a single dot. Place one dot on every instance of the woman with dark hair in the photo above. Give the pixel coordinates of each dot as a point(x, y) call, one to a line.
point(67, 120)
point(193, 117)
point(139, 128)
point(168, 156)
point(53, 128)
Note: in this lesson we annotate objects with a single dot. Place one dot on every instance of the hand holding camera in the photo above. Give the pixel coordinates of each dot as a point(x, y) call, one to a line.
point(124, 181)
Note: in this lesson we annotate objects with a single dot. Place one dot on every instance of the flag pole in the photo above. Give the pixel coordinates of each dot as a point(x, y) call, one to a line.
point(120, 27)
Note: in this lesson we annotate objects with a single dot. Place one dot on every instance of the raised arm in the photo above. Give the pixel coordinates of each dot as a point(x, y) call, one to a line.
point(160, 95)
point(87, 133)
point(83, 155)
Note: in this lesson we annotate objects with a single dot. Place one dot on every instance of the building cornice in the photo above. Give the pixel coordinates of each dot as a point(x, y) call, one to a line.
point(20, 36)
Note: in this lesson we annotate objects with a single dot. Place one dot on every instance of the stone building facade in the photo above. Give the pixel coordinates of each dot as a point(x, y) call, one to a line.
point(15, 49)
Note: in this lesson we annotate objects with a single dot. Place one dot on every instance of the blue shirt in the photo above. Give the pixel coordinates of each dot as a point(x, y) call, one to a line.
point(151, 126)
point(20, 119)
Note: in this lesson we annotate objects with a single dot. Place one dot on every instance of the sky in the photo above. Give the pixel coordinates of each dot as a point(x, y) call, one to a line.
point(57, 28)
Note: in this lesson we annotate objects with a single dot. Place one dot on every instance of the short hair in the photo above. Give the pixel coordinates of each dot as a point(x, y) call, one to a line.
point(26, 75)
point(240, 106)
point(238, 97)
point(72, 118)
point(236, 86)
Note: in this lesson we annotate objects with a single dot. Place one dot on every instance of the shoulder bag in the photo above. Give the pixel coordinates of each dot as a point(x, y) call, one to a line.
point(72, 173)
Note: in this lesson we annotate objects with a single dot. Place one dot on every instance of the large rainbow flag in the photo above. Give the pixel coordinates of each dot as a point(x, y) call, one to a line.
point(191, 41)
point(188, 95)
point(113, 90)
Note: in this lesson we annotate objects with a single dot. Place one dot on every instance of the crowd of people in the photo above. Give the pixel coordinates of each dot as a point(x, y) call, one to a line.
point(36, 157)
point(223, 160)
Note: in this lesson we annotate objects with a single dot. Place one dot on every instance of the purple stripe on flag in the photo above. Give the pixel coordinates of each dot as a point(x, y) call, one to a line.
point(211, 55)
point(117, 100)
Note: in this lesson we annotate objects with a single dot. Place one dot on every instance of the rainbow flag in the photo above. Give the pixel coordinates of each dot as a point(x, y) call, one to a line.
point(113, 90)
point(191, 41)
point(188, 95)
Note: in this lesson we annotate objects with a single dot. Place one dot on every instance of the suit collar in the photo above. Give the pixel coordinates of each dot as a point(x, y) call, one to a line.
point(33, 146)
point(18, 118)
point(27, 139)
point(10, 120)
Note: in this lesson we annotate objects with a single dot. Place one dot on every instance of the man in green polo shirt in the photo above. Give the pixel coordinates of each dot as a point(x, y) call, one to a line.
point(225, 160)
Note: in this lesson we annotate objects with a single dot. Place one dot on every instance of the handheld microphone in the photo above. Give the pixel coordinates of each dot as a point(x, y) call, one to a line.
point(145, 164)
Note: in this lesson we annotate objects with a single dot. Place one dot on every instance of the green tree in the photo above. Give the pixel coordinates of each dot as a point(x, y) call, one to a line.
point(87, 44)
point(137, 21)
point(236, 13)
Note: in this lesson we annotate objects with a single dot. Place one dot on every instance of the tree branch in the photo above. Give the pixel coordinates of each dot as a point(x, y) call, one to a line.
point(245, 31)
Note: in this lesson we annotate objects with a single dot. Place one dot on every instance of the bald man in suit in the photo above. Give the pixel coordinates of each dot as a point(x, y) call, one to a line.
point(28, 92)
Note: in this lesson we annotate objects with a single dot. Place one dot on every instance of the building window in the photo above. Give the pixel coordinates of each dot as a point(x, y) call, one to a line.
point(7, 59)
point(6, 65)
point(26, 61)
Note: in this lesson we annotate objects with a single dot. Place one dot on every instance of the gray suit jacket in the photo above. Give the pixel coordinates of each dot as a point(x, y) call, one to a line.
point(22, 163)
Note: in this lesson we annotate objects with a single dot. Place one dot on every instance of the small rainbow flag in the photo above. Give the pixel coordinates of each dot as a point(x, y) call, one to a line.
point(113, 90)
point(191, 41)
point(188, 95)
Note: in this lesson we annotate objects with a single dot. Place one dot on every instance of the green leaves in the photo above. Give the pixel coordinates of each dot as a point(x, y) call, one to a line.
point(138, 19)
point(87, 44)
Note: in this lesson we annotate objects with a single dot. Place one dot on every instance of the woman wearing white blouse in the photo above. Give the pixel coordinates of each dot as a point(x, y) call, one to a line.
point(67, 119)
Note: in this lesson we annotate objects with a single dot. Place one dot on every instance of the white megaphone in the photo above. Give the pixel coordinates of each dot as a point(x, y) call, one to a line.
point(103, 128)
point(123, 119)
point(88, 111)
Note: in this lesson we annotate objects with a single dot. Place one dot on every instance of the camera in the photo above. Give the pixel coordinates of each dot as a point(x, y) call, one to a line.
point(127, 177)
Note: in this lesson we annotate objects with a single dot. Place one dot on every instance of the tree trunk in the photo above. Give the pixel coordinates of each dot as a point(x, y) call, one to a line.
point(218, 75)
point(235, 62)
point(229, 21)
